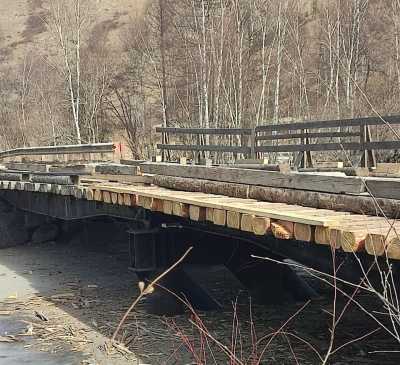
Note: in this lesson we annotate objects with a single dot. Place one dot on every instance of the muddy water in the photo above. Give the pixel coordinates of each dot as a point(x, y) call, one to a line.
point(17, 353)
point(84, 291)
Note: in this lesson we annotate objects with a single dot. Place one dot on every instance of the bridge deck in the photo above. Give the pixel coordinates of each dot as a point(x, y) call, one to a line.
point(342, 230)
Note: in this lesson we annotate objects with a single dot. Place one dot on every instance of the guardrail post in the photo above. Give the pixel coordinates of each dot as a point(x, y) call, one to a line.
point(368, 158)
point(253, 144)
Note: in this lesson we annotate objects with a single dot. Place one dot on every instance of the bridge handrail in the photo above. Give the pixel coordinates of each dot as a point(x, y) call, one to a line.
point(209, 131)
point(59, 150)
point(355, 122)
point(251, 141)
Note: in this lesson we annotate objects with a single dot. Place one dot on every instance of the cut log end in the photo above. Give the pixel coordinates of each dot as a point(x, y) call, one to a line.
point(246, 223)
point(261, 226)
point(198, 214)
point(180, 209)
point(233, 219)
point(219, 217)
point(283, 230)
point(120, 199)
point(107, 197)
point(393, 248)
point(375, 244)
point(97, 195)
point(322, 235)
point(335, 239)
point(209, 214)
point(353, 241)
point(304, 232)
point(127, 199)
point(157, 205)
point(114, 198)
point(167, 208)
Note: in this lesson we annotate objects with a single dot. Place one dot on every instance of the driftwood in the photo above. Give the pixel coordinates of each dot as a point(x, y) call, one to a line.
point(361, 204)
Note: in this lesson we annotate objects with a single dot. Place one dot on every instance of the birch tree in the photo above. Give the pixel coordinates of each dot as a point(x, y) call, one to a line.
point(67, 21)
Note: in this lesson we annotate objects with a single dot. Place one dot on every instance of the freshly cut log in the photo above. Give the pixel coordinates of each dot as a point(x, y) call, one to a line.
point(353, 241)
point(197, 214)
point(393, 249)
point(157, 205)
point(97, 195)
point(335, 239)
point(261, 226)
point(233, 219)
point(127, 199)
point(107, 197)
point(114, 198)
point(120, 199)
point(219, 217)
point(209, 214)
point(283, 229)
point(322, 235)
point(377, 241)
point(180, 209)
point(351, 203)
point(351, 237)
point(246, 223)
point(167, 207)
point(304, 232)
point(143, 201)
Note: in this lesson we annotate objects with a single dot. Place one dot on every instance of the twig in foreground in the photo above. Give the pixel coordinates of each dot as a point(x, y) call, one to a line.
point(148, 290)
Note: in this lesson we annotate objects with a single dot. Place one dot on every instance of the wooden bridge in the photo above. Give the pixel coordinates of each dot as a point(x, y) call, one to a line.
point(229, 213)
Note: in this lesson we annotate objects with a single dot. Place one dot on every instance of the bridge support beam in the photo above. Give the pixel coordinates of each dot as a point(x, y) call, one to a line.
point(152, 251)
point(268, 282)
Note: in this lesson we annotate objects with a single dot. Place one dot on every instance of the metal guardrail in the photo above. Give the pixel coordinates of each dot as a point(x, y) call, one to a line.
point(59, 150)
point(302, 137)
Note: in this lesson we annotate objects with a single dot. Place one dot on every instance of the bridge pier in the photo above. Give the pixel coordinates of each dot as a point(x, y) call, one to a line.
point(268, 282)
point(153, 250)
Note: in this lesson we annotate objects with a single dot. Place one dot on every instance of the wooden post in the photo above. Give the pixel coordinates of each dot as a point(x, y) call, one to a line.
point(368, 158)
point(253, 144)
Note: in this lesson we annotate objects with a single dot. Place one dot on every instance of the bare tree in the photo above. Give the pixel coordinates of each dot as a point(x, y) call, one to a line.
point(67, 20)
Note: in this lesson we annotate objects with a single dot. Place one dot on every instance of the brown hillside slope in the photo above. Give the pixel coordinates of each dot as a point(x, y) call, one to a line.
point(22, 28)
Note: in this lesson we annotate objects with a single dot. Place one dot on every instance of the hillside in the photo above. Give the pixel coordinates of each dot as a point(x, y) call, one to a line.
point(22, 27)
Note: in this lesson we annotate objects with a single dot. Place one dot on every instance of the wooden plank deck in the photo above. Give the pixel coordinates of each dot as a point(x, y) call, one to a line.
point(341, 230)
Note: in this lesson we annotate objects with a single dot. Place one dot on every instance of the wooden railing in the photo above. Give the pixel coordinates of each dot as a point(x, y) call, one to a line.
point(301, 137)
point(233, 137)
point(63, 150)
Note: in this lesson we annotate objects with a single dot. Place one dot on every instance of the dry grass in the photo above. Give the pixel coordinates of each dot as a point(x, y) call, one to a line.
point(22, 29)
